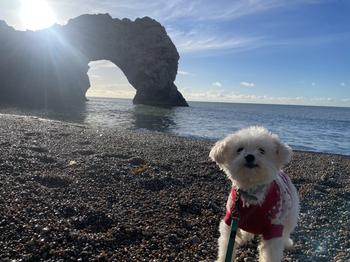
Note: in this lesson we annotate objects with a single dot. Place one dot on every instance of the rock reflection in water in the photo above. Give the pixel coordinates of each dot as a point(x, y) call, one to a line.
point(76, 114)
point(153, 118)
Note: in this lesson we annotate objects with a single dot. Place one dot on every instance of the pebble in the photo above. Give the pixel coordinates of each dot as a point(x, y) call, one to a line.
point(136, 161)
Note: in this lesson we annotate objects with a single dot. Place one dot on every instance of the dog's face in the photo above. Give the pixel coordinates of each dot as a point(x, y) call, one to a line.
point(251, 156)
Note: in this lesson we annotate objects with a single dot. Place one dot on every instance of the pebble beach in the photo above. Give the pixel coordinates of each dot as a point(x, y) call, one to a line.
point(69, 192)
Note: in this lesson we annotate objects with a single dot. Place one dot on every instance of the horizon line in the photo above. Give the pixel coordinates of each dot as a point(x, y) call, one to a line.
point(228, 102)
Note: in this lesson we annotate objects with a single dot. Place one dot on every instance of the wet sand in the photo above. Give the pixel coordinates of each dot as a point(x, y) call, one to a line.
point(70, 192)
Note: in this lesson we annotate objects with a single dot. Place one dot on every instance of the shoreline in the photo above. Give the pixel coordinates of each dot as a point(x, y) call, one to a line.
point(200, 139)
point(69, 191)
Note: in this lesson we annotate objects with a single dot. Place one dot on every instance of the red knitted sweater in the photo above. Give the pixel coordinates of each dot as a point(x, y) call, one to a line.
point(264, 219)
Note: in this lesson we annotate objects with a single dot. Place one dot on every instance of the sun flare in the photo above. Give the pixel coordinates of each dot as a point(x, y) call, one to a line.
point(36, 14)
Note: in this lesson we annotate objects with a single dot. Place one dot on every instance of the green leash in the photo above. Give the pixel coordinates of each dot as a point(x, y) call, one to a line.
point(234, 228)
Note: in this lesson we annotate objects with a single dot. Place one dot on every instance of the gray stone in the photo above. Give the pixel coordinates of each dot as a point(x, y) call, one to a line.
point(49, 66)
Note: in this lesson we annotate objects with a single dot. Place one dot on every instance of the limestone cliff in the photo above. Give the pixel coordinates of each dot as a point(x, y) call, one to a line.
point(49, 67)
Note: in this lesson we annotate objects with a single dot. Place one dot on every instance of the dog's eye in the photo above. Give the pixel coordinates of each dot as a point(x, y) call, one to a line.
point(262, 151)
point(239, 149)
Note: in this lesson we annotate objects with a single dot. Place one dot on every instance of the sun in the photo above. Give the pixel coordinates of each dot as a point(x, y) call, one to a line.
point(36, 14)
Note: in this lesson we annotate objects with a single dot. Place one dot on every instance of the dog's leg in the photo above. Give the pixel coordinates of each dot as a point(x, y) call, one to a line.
point(271, 250)
point(223, 240)
point(292, 220)
point(225, 231)
point(243, 237)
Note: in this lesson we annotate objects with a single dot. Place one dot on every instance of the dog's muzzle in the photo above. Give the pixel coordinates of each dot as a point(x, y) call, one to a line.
point(250, 161)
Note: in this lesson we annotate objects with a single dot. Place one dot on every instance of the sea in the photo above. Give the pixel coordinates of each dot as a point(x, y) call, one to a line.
point(306, 128)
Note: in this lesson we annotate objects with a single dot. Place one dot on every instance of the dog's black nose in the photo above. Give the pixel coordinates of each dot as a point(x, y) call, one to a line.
point(249, 158)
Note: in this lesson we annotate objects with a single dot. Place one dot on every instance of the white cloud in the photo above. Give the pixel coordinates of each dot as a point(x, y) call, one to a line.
point(165, 10)
point(218, 84)
point(94, 65)
point(198, 41)
point(247, 84)
point(322, 99)
point(224, 96)
point(217, 95)
point(184, 73)
point(209, 40)
point(193, 12)
point(114, 90)
point(94, 76)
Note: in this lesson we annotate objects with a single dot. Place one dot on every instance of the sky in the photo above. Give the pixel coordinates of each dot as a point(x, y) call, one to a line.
point(248, 51)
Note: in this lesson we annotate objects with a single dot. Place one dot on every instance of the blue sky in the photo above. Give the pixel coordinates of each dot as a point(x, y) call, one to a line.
point(255, 51)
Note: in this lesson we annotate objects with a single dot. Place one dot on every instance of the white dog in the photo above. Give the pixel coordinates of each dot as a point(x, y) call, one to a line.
point(268, 203)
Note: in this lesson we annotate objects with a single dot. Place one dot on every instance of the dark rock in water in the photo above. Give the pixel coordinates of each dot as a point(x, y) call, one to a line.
point(49, 67)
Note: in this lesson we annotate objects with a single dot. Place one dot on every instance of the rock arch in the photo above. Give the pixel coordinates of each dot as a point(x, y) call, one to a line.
point(49, 67)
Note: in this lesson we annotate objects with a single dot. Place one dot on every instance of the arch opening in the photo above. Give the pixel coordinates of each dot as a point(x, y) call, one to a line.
point(108, 80)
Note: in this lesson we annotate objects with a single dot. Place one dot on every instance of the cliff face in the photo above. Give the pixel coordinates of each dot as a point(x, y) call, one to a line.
point(49, 67)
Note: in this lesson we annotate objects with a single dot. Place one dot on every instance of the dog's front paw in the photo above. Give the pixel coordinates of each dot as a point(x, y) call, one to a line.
point(223, 240)
point(288, 243)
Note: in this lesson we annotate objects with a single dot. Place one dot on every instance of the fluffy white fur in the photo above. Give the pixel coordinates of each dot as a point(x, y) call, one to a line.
point(270, 155)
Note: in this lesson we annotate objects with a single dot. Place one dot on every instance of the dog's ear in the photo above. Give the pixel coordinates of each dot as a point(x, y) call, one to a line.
point(218, 152)
point(283, 152)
